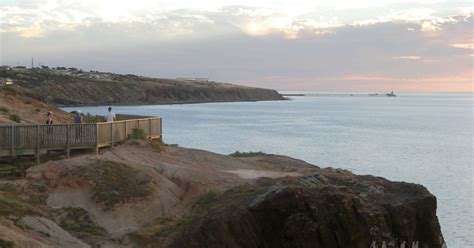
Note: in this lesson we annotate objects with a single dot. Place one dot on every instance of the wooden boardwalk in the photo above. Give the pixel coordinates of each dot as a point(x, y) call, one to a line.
point(18, 140)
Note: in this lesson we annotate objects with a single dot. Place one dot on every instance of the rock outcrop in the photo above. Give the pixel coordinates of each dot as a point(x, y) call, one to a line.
point(53, 231)
point(326, 209)
point(142, 194)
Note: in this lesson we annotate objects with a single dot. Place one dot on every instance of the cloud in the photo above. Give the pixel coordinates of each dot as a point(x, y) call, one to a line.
point(321, 48)
point(469, 46)
point(40, 17)
point(410, 57)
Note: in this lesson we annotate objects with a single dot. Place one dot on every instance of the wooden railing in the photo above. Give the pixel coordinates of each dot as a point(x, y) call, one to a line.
point(34, 139)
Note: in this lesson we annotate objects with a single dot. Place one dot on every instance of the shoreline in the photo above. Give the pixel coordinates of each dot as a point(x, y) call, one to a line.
point(170, 103)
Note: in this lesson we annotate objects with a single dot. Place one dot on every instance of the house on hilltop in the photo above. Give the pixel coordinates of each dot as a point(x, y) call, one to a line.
point(5, 82)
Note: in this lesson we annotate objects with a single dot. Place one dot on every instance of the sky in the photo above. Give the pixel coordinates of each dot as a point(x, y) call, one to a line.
point(338, 45)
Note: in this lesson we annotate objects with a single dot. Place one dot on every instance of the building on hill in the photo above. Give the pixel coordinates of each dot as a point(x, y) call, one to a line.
point(20, 68)
point(193, 79)
point(202, 79)
point(185, 78)
point(5, 82)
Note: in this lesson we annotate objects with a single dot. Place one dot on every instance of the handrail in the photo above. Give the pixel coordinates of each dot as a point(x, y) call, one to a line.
point(31, 138)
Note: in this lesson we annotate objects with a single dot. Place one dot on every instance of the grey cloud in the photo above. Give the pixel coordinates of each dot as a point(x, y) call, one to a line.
point(217, 48)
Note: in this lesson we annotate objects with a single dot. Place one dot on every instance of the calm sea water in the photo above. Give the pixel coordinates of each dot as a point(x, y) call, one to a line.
point(422, 138)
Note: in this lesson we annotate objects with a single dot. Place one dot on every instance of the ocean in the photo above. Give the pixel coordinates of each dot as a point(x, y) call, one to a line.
point(421, 138)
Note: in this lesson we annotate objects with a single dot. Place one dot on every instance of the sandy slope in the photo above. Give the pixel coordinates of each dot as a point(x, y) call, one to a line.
point(176, 179)
point(29, 109)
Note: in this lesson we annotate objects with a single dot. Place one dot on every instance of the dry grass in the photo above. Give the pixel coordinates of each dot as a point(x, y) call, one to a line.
point(160, 227)
point(79, 222)
point(14, 207)
point(114, 183)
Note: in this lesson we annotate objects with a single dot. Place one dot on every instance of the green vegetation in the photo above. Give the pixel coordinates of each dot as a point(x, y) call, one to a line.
point(138, 133)
point(207, 198)
point(12, 206)
point(247, 154)
point(119, 183)
point(16, 208)
point(15, 118)
point(114, 183)
point(6, 244)
point(159, 227)
point(157, 146)
point(184, 221)
point(4, 110)
point(7, 74)
point(16, 168)
point(79, 222)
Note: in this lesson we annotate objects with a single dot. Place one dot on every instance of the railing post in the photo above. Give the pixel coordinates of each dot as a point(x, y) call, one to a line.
point(161, 129)
point(112, 134)
point(97, 138)
point(13, 141)
point(149, 129)
point(125, 132)
point(67, 140)
point(37, 144)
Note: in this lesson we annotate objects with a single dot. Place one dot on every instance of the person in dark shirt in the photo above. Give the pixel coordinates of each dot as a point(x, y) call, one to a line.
point(78, 118)
point(49, 121)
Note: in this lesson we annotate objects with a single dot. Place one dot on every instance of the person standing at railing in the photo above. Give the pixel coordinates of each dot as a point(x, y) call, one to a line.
point(49, 121)
point(110, 116)
point(78, 120)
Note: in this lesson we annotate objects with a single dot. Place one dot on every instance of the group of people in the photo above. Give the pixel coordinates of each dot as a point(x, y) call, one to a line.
point(109, 117)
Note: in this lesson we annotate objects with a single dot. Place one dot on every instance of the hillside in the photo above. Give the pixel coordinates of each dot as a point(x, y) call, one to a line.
point(143, 194)
point(18, 105)
point(76, 87)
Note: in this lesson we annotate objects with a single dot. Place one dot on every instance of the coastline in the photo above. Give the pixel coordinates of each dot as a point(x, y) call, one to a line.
point(167, 103)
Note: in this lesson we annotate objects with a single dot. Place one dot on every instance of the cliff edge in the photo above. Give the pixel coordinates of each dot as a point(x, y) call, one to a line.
point(76, 87)
point(147, 194)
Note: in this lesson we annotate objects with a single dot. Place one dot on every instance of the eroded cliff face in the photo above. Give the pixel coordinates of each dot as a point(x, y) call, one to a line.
point(326, 209)
point(143, 194)
point(86, 88)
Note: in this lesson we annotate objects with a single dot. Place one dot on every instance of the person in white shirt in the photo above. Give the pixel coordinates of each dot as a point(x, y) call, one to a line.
point(110, 116)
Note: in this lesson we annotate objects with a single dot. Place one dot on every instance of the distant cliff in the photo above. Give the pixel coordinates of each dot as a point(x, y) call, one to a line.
point(75, 87)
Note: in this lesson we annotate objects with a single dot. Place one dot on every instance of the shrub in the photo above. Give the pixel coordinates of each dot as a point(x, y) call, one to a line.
point(157, 146)
point(246, 154)
point(208, 197)
point(159, 228)
point(78, 221)
point(10, 206)
point(138, 133)
point(6, 244)
point(15, 118)
point(3, 109)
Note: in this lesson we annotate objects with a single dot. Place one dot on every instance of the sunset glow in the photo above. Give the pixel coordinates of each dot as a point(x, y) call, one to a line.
point(410, 46)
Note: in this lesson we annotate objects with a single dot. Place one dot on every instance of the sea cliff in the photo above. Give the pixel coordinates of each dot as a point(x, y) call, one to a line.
point(148, 194)
point(76, 87)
